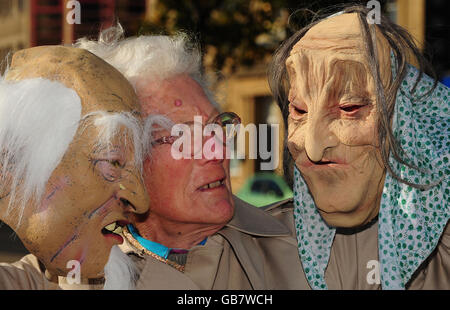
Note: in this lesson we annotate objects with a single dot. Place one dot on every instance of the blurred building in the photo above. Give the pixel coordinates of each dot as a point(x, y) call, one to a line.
point(15, 27)
point(27, 23)
point(247, 93)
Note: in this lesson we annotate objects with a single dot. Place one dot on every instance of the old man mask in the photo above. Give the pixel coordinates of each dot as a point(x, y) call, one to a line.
point(70, 156)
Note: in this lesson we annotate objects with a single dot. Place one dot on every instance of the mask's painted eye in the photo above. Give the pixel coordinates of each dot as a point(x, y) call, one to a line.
point(109, 169)
point(115, 163)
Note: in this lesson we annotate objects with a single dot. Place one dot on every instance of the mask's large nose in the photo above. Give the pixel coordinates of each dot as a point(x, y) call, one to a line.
point(133, 193)
point(318, 137)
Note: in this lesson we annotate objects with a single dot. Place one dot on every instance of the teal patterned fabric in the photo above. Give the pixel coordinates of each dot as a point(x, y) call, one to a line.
point(411, 221)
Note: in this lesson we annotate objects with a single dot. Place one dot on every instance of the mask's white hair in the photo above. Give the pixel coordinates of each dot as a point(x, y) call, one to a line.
point(38, 120)
point(150, 57)
point(120, 272)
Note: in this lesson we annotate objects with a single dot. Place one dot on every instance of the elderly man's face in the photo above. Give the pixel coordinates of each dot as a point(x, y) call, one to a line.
point(94, 184)
point(175, 186)
point(332, 125)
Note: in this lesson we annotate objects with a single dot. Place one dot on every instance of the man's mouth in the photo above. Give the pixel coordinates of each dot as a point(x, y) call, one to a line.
point(213, 185)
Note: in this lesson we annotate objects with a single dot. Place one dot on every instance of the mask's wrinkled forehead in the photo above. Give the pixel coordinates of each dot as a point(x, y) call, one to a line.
point(340, 33)
point(99, 85)
point(339, 38)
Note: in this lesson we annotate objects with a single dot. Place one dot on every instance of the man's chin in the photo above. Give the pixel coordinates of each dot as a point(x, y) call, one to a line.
point(222, 210)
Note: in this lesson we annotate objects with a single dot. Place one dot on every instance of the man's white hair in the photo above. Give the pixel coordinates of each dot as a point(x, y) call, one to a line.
point(149, 57)
point(38, 120)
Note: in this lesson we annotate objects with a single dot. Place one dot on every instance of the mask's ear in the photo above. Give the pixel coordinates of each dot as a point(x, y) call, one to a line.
point(5, 186)
point(5, 175)
point(6, 215)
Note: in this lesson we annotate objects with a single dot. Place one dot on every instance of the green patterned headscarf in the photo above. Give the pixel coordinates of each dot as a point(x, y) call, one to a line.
point(410, 221)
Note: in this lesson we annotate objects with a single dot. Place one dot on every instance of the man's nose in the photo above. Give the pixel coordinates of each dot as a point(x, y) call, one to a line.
point(318, 137)
point(133, 193)
point(213, 150)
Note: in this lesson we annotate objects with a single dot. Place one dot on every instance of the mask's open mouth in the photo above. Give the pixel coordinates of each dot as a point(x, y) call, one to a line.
point(115, 228)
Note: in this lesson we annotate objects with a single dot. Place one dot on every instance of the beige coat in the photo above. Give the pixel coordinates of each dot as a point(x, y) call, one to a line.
point(24, 274)
point(29, 274)
point(256, 251)
point(253, 251)
point(351, 253)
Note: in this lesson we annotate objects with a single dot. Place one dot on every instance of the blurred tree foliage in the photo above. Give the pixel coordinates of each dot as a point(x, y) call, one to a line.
point(233, 33)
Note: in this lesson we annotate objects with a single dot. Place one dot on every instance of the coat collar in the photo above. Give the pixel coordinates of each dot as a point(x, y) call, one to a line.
point(249, 221)
point(255, 221)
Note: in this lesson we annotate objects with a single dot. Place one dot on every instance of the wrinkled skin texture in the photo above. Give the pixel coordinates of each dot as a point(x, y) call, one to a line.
point(180, 214)
point(84, 192)
point(332, 123)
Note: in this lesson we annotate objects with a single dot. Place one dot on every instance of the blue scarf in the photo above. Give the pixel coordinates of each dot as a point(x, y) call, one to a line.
point(154, 247)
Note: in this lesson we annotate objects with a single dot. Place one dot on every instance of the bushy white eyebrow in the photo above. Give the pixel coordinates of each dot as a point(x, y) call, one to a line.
point(111, 124)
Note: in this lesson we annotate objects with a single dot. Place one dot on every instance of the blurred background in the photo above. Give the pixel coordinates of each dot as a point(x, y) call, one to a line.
point(237, 38)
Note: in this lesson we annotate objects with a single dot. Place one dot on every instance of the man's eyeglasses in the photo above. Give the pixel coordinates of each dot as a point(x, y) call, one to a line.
point(228, 122)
